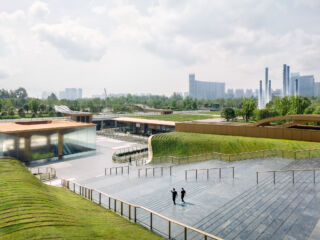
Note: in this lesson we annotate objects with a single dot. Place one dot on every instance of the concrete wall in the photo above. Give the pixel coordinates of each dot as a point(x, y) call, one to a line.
point(250, 131)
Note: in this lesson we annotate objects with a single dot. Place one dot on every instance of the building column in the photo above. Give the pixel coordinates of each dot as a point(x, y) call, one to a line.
point(60, 144)
point(27, 148)
point(49, 142)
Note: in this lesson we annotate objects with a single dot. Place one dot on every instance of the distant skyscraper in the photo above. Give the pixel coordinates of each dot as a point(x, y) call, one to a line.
point(266, 84)
point(260, 99)
point(71, 93)
point(269, 91)
point(249, 93)
point(296, 89)
point(230, 93)
point(306, 85)
point(317, 89)
point(284, 88)
point(288, 80)
point(205, 90)
point(239, 93)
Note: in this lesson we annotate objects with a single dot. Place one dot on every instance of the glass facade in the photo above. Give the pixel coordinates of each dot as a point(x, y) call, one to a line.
point(79, 140)
point(45, 144)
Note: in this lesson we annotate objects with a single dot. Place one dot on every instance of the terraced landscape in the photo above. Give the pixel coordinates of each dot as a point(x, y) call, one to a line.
point(189, 144)
point(30, 209)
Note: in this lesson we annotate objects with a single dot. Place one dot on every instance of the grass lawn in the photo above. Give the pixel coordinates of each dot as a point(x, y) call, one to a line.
point(30, 209)
point(176, 117)
point(188, 144)
point(211, 112)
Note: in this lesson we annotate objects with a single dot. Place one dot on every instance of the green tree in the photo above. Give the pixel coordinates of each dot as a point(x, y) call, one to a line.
point(26, 107)
point(21, 93)
point(52, 97)
point(11, 111)
point(248, 107)
point(299, 104)
point(0, 105)
point(42, 107)
point(34, 105)
point(21, 112)
point(282, 105)
point(265, 113)
point(228, 113)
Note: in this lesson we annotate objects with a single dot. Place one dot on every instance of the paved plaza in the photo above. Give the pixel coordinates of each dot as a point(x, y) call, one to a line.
point(230, 208)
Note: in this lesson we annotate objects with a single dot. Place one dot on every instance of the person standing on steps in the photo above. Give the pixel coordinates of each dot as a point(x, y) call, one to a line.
point(174, 195)
point(183, 193)
point(130, 160)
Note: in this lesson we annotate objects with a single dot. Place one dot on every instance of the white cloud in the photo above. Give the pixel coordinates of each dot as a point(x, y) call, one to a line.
point(3, 74)
point(99, 9)
point(73, 40)
point(39, 10)
point(14, 16)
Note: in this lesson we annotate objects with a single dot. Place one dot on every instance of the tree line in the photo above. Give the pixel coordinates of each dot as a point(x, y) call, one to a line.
point(277, 107)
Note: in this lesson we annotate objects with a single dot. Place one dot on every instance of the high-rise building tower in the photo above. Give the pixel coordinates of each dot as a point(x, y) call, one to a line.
point(192, 87)
point(270, 91)
point(205, 90)
point(288, 81)
point(266, 84)
point(260, 101)
point(296, 89)
point(284, 88)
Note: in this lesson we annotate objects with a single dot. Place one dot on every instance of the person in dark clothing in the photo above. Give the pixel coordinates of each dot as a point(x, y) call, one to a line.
point(130, 160)
point(183, 193)
point(174, 195)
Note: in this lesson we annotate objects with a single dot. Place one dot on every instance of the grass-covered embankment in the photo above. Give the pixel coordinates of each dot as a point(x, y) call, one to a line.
point(189, 144)
point(30, 209)
point(176, 117)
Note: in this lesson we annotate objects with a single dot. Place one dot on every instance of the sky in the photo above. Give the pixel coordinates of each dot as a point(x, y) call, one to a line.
point(149, 46)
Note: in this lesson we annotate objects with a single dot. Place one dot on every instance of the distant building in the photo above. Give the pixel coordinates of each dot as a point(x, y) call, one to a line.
point(249, 93)
point(239, 93)
point(276, 93)
point(306, 85)
point(101, 96)
point(71, 93)
point(45, 94)
point(205, 90)
point(317, 89)
point(230, 93)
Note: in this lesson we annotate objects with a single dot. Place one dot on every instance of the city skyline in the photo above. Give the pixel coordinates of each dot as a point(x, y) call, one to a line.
point(151, 46)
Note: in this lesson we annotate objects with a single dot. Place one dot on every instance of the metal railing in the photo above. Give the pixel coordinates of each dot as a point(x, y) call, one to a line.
point(146, 170)
point(288, 170)
point(298, 154)
point(44, 173)
point(152, 220)
point(129, 154)
point(207, 170)
point(118, 133)
point(121, 168)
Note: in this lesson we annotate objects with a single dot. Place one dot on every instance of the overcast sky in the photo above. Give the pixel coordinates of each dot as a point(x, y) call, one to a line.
point(146, 46)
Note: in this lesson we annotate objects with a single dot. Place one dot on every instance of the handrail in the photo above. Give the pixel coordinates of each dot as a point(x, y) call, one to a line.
point(207, 169)
point(185, 226)
point(116, 168)
point(153, 168)
point(48, 174)
point(288, 170)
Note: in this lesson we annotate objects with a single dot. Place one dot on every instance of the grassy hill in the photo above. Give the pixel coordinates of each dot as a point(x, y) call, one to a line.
point(30, 209)
point(188, 144)
point(177, 117)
